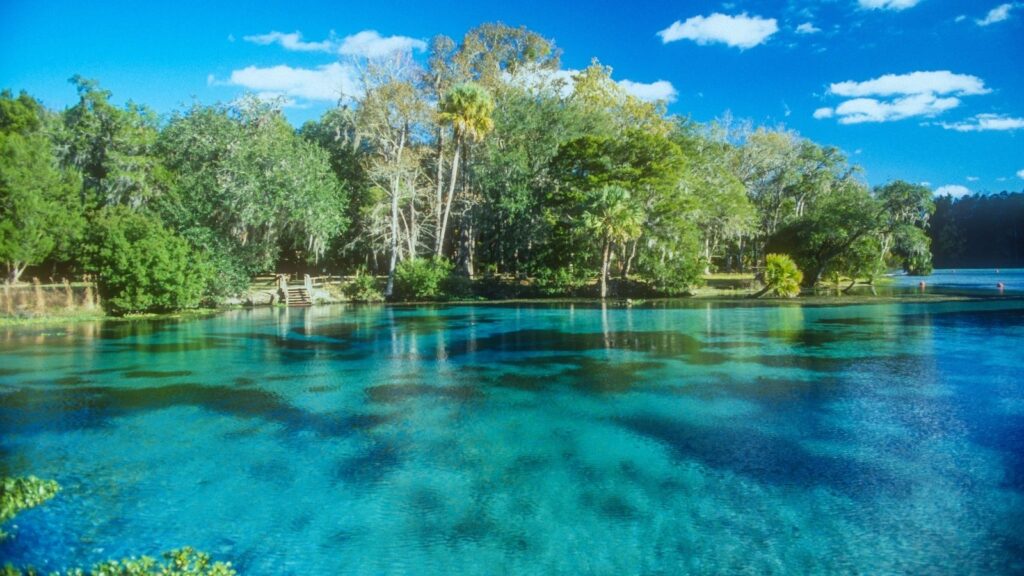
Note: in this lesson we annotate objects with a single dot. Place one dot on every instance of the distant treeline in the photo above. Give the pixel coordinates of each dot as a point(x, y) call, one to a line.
point(982, 231)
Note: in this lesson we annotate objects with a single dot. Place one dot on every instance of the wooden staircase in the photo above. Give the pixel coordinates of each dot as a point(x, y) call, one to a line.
point(298, 296)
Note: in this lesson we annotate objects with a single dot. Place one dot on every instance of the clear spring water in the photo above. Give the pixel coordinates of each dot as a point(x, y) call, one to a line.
point(704, 438)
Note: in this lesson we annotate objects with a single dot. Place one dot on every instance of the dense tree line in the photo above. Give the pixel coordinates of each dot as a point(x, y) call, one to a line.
point(486, 159)
point(979, 231)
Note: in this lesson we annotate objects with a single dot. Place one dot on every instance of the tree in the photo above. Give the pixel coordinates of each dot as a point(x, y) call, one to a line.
point(248, 185)
point(39, 207)
point(906, 212)
point(389, 116)
point(113, 148)
point(140, 266)
point(612, 215)
point(839, 220)
point(467, 108)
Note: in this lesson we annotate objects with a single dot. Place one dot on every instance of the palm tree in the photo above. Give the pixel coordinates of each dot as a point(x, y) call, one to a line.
point(468, 108)
point(612, 214)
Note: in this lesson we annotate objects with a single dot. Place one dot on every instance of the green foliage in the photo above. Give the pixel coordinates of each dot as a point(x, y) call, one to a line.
point(913, 250)
point(421, 279)
point(39, 207)
point(674, 273)
point(180, 562)
point(468, 108)
point(781, 276)
point(363, 288)
point(114, 148)
point(18, 494)
point(141, 266)
point(244, 179)
point(566, 281)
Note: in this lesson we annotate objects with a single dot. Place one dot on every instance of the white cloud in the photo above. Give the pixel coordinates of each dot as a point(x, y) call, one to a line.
point(740, 31)
point(926, 184)
point(960, 18)
point(972, 178)
point(997, 14)
point(324, 83)
point(953, 190)
point(291, 41)
point(888, 4)
point(898, 96)
point(652, 92)
point(366, 44)
point(807, 28)
point(860, 110)
point(938, 82)
point(985, 123)
point(370, 44)
point(1020, 174)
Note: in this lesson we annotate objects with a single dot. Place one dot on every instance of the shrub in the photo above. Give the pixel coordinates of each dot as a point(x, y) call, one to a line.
point(141, 266)
point(561, 281)
point(781, 276)
point(674, 277)
point(363, 288)
point(18, 494)
point(421, 278)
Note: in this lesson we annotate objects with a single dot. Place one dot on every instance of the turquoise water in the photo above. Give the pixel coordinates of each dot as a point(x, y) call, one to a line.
point(980, 281)
point(705, 438)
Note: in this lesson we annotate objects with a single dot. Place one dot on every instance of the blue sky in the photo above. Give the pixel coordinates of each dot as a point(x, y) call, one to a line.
point(925, 90)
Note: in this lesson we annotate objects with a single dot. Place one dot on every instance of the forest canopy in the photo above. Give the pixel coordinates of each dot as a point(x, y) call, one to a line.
point(483, 159)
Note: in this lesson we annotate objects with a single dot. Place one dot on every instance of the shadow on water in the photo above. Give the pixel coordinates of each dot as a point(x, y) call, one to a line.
point(29, 410)
point(765, 458)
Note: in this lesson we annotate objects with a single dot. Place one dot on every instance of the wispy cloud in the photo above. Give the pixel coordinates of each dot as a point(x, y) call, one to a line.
point(953, 190)
point(1020, 174)
point(899, 96)
point(290, 41)
point(365, 44)
point(997, 14)
point(985, 123)
point(888, 4)
point(807, 28)
point(972, 178)
point(741, 31)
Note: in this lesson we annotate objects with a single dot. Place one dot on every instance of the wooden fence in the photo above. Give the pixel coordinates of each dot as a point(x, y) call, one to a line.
point(35, 298)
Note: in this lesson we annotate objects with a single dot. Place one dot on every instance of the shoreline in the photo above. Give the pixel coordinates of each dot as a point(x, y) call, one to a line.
point(729, 297)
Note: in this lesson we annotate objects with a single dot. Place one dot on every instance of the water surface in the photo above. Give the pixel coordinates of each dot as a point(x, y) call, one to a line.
point(704, 438)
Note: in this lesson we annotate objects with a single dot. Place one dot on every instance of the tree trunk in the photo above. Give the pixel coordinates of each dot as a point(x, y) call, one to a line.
point(392, 264)
point(606, 256)
point(439, 209)
point(396, 187)
point(14, 271)
point(448, 202)
point(629, 261)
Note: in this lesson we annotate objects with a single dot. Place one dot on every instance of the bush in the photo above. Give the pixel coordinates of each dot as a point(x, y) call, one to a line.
point(781, 276)
point(421, 278)
point(141, 266)
point(363, 288)
point(561, 281)
point(674, 277)
point(18, 494)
